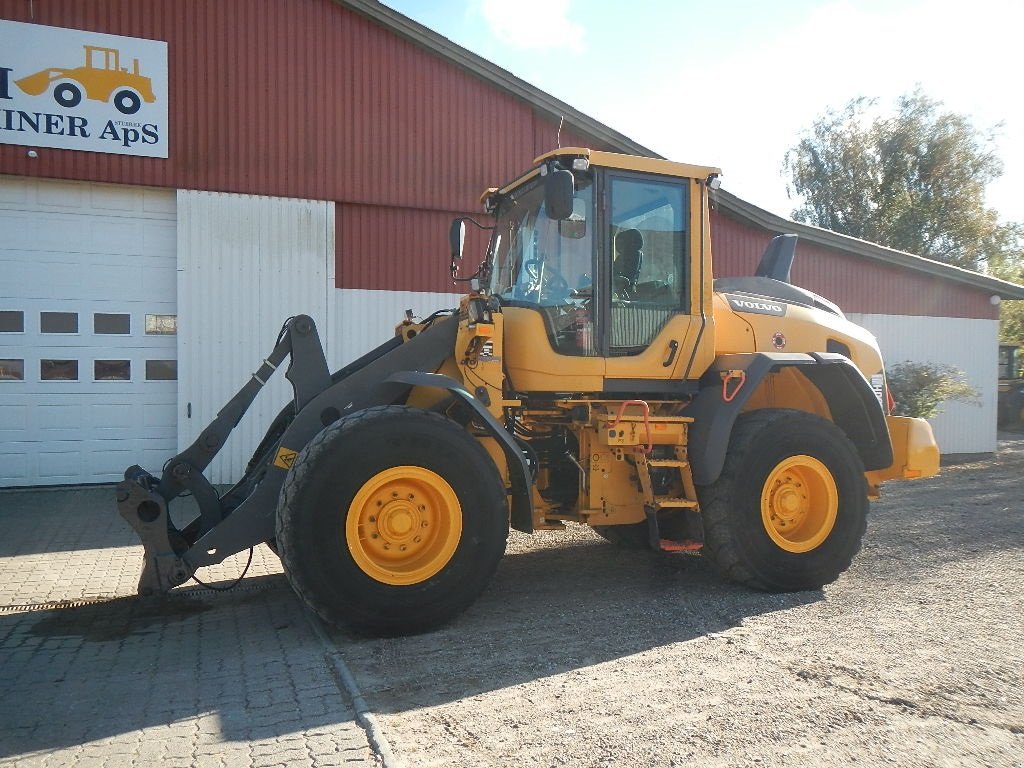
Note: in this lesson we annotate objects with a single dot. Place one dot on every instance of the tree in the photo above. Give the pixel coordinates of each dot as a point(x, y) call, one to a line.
point(920, 388)
point(1009, 265)
point(914, 181)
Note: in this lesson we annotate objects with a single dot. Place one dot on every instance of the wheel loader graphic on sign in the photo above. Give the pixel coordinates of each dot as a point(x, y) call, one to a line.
point(102, 77)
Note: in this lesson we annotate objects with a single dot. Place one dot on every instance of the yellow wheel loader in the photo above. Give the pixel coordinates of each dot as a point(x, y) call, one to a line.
point(101, 76)
point(595, 374)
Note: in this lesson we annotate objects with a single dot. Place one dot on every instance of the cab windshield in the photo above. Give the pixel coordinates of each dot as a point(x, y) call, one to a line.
point(538, 261)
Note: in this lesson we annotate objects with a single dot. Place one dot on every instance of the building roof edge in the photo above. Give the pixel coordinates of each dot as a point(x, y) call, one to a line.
point(738, 208)
point(751, 214)
point(487, 70)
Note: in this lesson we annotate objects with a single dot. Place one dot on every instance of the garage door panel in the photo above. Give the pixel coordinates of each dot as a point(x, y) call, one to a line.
point(16, 233)
point(60, 462)
point(109, 416)
point(158, 201)
point(117, 236)
point(159, 280)
point(13, 418)
point(13, 465)
point(62, 197)
point(67, 233)
point(74, 461)
point(65, 278)
point(160, 416)
point(125, 200)
point(63, 418)
point(14, 192)
point(155, 236)
point(86, 249)
point(81, 416)
point(111, 462)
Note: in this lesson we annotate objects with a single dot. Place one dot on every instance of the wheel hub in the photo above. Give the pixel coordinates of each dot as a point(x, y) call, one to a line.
point(403, 525)
point(799, 504)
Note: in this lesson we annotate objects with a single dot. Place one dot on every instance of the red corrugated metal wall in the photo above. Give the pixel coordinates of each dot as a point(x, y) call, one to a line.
point(853, 283)
point(304, 98)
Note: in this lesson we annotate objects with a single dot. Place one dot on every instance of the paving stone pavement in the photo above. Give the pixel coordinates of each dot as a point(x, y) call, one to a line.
point(199, 678)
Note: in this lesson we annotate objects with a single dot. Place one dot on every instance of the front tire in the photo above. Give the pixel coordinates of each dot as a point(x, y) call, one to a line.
point(789, 509)
point(392, 521)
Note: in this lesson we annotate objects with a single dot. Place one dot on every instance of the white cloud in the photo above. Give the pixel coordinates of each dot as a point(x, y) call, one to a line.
point(533, 24)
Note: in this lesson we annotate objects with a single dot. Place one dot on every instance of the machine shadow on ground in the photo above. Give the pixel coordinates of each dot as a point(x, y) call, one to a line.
point(550, 611)
point(560, 602)
point(249, 658)
point(558, 608)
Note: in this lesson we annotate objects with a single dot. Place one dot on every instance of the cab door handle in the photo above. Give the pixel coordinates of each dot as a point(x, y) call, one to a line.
point(673, 347)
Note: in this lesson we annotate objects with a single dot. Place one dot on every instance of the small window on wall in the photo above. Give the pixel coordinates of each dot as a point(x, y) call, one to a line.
point(112, 370)
point(58, 370)
point(106, 323)
point(58, 322)
point(161, 325)
point(161, 370)
point(12, 370)
point(12, 321)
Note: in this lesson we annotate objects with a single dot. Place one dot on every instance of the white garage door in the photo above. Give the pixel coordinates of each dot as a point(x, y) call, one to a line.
point(87, 320)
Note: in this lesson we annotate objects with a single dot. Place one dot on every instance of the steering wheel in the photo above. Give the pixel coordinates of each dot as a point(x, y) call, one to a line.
point(545, 281)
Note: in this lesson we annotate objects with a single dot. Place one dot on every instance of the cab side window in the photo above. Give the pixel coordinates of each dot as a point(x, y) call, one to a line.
point(649, 261)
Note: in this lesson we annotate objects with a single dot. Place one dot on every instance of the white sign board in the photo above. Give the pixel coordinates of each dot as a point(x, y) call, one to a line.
point(71, 89)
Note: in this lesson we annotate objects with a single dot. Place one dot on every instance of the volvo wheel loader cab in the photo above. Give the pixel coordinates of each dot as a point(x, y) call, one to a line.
point(595, 374)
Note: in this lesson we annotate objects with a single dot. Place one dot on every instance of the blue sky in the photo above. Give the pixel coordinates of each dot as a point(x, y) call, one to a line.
point(732, 84)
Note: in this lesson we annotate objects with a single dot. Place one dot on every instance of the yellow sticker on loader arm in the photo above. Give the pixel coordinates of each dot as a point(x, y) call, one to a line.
point(285, 457)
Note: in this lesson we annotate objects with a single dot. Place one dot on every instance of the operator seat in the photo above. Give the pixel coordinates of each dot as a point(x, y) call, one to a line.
point(629, 258)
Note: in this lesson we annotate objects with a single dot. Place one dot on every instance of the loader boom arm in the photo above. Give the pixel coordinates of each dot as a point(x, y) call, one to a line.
point(143, 500)
point(246, 515)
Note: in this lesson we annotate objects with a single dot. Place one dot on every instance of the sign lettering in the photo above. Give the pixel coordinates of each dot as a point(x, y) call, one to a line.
point(71, 89)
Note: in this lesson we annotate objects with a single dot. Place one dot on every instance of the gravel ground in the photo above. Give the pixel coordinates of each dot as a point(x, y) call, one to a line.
point(580, 654)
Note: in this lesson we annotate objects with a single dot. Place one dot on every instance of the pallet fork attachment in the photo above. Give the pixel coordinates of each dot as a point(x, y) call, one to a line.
point(143, 500)
point(245, 515)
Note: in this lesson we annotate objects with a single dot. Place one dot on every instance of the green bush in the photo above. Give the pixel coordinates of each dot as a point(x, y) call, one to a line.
point(920, 388)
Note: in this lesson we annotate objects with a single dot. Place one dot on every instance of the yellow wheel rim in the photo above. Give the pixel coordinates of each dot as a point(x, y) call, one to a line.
point(403, 525)
point(799, 504)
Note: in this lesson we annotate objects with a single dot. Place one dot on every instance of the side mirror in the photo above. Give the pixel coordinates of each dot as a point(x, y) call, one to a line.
point(457, 239)
point(559, 187)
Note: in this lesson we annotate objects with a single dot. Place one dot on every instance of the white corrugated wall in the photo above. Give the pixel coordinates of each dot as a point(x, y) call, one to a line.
point(245, 264)
point(362, 319)
point(968, 344)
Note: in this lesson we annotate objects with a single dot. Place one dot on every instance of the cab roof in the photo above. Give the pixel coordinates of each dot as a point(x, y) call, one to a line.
point(609, 160)
point(631, 163)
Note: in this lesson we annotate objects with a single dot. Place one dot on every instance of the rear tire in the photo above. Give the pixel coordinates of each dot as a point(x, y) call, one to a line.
point(790, 508)
point(391, 521)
